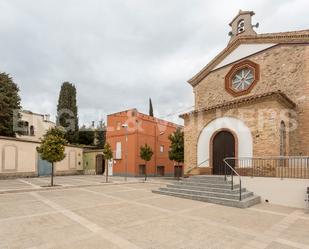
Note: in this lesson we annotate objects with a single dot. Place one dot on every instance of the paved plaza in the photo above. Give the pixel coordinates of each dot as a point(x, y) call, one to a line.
point(128, 215)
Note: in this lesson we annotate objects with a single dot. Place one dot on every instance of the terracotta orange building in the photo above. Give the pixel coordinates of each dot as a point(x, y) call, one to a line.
point(127, 131)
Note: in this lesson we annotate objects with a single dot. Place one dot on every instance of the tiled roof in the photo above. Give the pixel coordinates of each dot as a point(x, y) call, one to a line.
point(231, 104)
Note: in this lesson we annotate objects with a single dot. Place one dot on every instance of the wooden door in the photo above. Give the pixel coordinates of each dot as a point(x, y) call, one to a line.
point(100, 165)
point(223, 146)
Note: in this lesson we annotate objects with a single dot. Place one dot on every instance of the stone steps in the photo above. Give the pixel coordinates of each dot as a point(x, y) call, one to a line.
point(210, 185)
point(209, 193)
point(201, 188)
point(248, 202)
point(213, 189)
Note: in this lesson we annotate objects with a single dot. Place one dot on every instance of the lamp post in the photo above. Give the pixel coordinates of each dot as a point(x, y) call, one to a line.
point(125, 126)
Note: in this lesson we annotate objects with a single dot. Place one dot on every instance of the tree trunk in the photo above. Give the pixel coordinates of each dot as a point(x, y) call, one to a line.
point(145, 171)
point(52, 176)
point(178, 171)
point(106, 172)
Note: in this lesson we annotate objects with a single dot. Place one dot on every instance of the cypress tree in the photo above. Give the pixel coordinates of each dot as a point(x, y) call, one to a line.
point(67, 115)
point(150, 108)
point(9, 102)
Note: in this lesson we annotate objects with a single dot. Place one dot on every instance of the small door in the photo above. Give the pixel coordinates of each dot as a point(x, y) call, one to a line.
point(100, 165)
point(44, 167)
point(160, 170)
point(223, 146)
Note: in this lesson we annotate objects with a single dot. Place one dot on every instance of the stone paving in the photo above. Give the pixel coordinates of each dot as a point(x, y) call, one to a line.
point(40, 183)
point(128, 216)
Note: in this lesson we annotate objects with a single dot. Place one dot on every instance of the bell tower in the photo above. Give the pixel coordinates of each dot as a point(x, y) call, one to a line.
point(242, 25)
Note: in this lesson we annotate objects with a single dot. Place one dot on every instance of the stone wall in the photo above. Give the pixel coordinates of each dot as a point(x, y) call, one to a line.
point(264, 125)
point(284, 68)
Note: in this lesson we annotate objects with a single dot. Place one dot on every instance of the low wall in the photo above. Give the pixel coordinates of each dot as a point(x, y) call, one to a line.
point(287, 192)
point(19, 158)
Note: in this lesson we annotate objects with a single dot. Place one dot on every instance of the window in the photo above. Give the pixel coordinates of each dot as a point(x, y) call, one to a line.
point(118, 126)
point(242, 78)
point(118, 151)
point(241, 26)
point(282, 144)
point(24, 128)
point(161, 148)
point(31, 130)
point(282, 139)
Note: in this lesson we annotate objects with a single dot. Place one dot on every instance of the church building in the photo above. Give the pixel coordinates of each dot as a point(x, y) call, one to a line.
point(251, 100)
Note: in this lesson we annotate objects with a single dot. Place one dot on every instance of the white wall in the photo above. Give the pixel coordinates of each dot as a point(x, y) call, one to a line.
point(287, 192)
point(20, 156)
point(38, 122)
point(243, 51)
point(243, 133)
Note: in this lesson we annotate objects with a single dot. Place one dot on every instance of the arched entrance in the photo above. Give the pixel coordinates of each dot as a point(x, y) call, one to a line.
point(242, 135)
point(223, 145)
point(100, 165)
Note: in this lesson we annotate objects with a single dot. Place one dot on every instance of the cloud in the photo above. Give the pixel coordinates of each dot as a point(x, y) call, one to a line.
point(119, 53)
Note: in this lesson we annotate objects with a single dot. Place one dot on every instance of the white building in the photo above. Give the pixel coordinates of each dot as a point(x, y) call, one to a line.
point(35, 125)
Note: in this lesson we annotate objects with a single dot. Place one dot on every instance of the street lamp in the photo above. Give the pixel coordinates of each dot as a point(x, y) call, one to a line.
point(125, 126)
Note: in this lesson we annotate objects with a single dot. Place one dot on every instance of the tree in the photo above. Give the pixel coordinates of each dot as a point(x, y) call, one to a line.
point(52, 148)
point(86, 136)
point(100, 137)
point(176, 152)
point(150, 108)
point(146, 154)
point(9, 105)
point(108, 155)
point(67, 112)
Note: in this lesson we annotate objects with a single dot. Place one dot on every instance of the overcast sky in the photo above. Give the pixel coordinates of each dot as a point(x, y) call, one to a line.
point(119, 53)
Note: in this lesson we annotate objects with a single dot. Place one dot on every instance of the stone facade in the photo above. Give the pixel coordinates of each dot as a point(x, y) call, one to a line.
point(265, 134)
point(283, 68)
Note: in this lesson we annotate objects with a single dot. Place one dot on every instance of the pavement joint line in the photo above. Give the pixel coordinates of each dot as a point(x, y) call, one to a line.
point(270, 234)
point(23, 190)
point(82, 180)
point(149, 198)
point(68, 241)
point(29, 183)
point(292, 243)
point(27, 216)
point(222, 225)
point(55, 212)
point(129, 201)
point(93, 227)
point(96, 206)
point(163, 216)
point(268, 211)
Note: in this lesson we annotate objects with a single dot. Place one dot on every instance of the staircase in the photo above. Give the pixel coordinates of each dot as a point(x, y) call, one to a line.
point(212, 189)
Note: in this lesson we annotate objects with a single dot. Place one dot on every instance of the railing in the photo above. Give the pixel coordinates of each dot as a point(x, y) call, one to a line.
point(281, 166)
point(228, 167)
point(200, 165)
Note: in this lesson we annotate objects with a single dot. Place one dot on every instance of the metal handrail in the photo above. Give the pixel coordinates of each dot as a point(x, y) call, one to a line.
point(271, 157)
point(273, 166)
point(198, 166)
point(232, 170)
